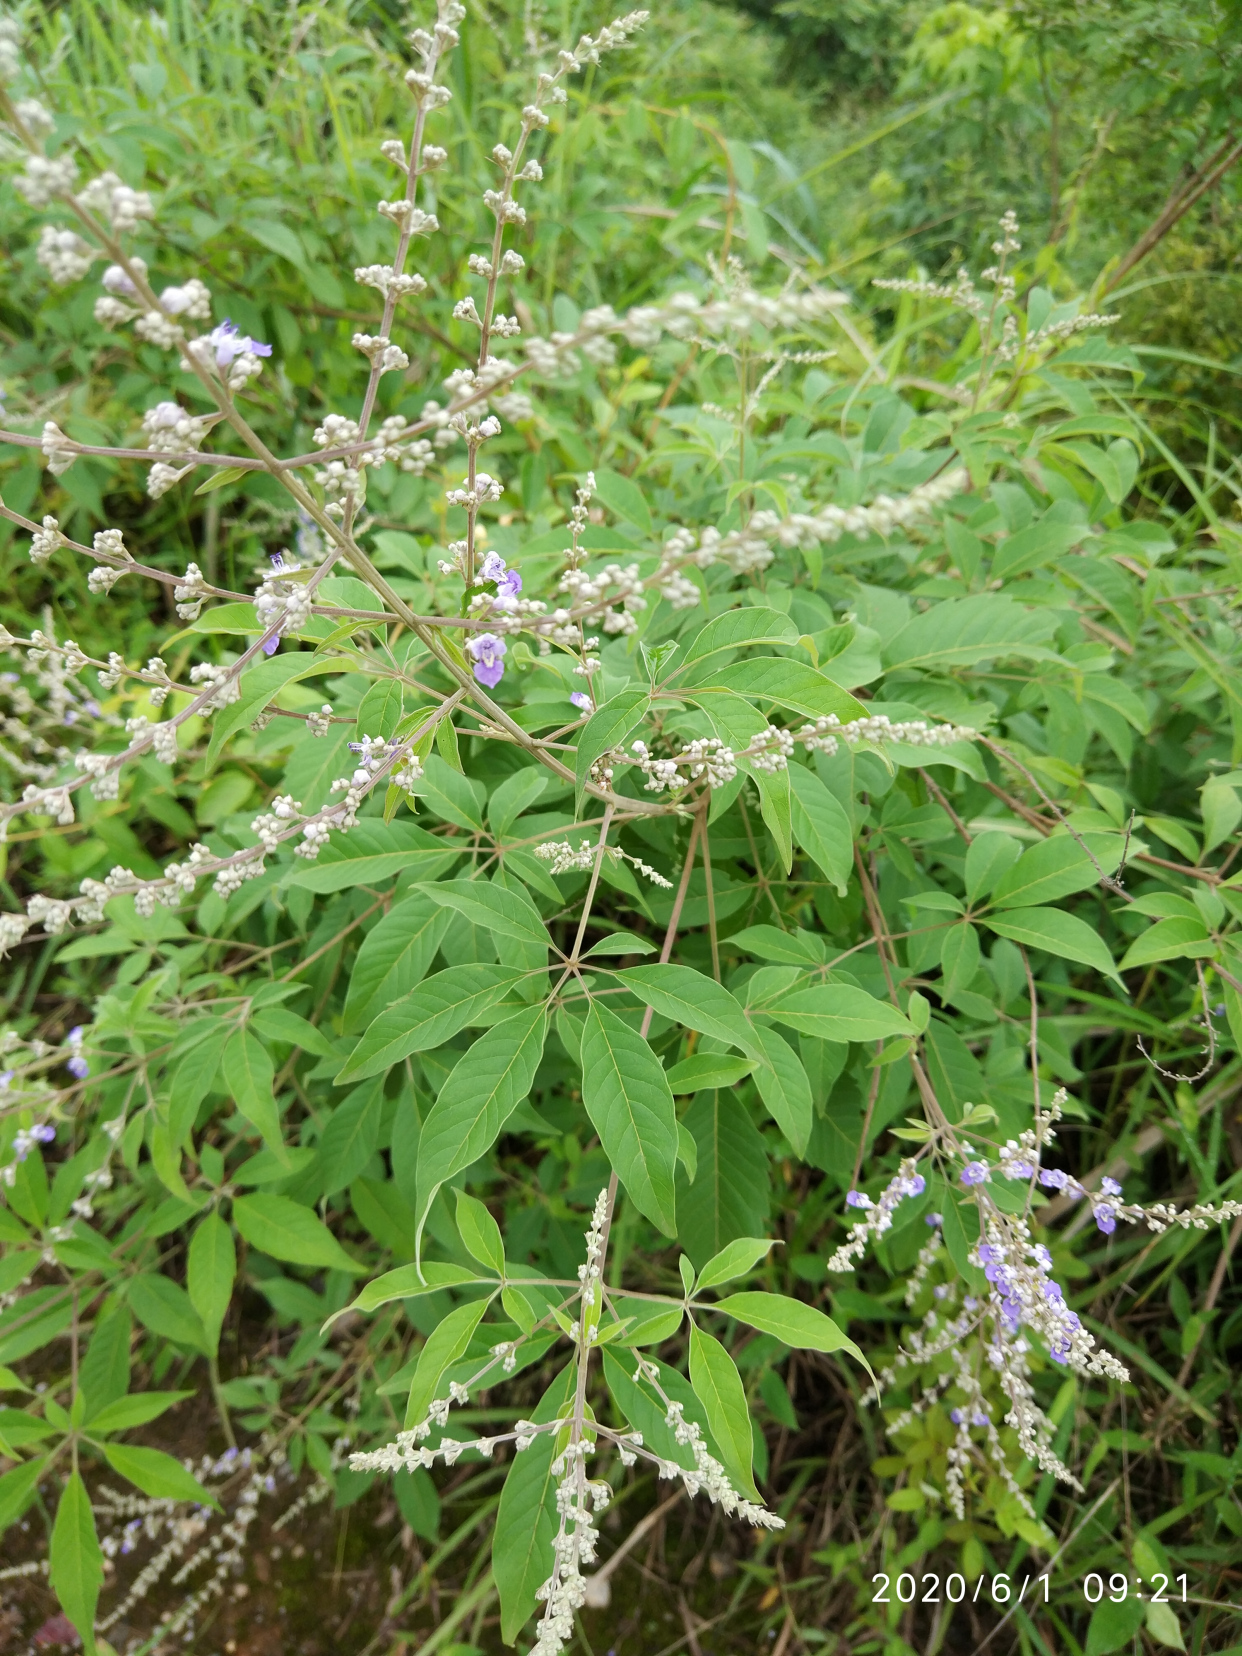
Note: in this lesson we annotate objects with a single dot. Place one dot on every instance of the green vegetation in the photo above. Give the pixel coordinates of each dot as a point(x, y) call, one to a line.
point(813, 878)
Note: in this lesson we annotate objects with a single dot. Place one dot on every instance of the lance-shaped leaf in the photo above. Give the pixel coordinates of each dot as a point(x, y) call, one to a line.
point(791, 1321)
point(485, 1087)
point(374, 850)
point(1056, 868)
point(210, 1269)
point(1056, 933)
point(821, 827)
point(792, 684)
point(137, 1409)
point(444, 1346)
point(76, 1560)
point(250, 1078)
point(284, 1229)
point(735, 630)
point(609, 726)
point(428, 1016)
point(499, 909)
point(704, 1070)
point(157, 1474)
point(395, 955)
point(734, 1261)
point(17, 1489)
point(627, 1097)
point(837, 1012)
point(410, 1282)
point(693, 999)
point(526, 1519)
point(784, 1087)
point(165, 1308)
point(480, 1232)
point(718, 1387)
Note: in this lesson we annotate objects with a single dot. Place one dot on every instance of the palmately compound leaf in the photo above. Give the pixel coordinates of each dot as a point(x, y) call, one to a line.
point(485, 1087)
point(627, 1097)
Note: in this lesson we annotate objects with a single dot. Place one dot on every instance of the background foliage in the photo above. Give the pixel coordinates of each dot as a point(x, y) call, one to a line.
point(885, 141)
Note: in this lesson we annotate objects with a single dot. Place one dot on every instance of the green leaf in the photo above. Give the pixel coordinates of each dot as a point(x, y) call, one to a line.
point(718, 1387)
point(480, 1232)
point(250, 1079)
point(222, 479)
point(784, 1088)
point(283, 1229)
point(989, 857)
point(736, 629)
point(627, 1097)
point(961, 632)
point(692, 999)
point(444, 1346)
point(623, 496)
point(708, 1069)
point(210, 1268)
point(394, 958)
point(17, 1489)
point(485, 1087)
point(261, 684)
point(526, 1520)
point(728, 1197)
point(157, 1474)
point(166, 1309)
point(798, 948)
point(1163, 1625)
point(450, 794)
point(1179, 938)
point(1113, 1626)
point(687, 1151)
point(838, 1012)
point(76, 1559)
point(821, 827)
point(278, 1023)
point(736, 1260)
point(621, 943)
point(1037, 544)
point(410, 1282)
point(371, 852)
point(792, 684)
point(503, 912)
point(515, 795)
point(136, 1410)
point(608, 727)
point(1057, 868)
point(351, 1136)
point(791, 1321)
point(429, 1015)
point(1057, 933)
point(775, 802)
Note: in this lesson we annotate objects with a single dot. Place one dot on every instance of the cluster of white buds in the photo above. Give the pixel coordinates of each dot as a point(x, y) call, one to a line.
point(472, 496)
point(408, 218)
point(124, 207)
point(45, 178)
point(390, 282)
point(394, 442)
point(225, 679)
point(827, 733)
point(319, 724)
point(189, 593)
point(381, 353)
point(566, 860)
point(64, 255)
point(886, 513)
point(45, 540)
point(770, 750)
point(59, 451)
point(282, 605)
point(906, 1182)
point(170, 430)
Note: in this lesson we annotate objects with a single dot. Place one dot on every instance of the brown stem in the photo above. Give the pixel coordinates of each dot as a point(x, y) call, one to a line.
point(1179, 203)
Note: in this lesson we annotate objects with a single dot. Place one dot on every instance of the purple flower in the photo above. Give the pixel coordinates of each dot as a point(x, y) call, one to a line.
point(856, 1199)
point(229, 344)
point(957, 1416)
point(582, 700)
point(508, 581)
point(78, 1067)
point(935, 1220)
point(1052, 1178)
point(916, 1184)
point(1110, 1187)
point(488, 651)
point(974, 1173)
point(1105, 1218)
point(1020, 1170)
point(44, 1133)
